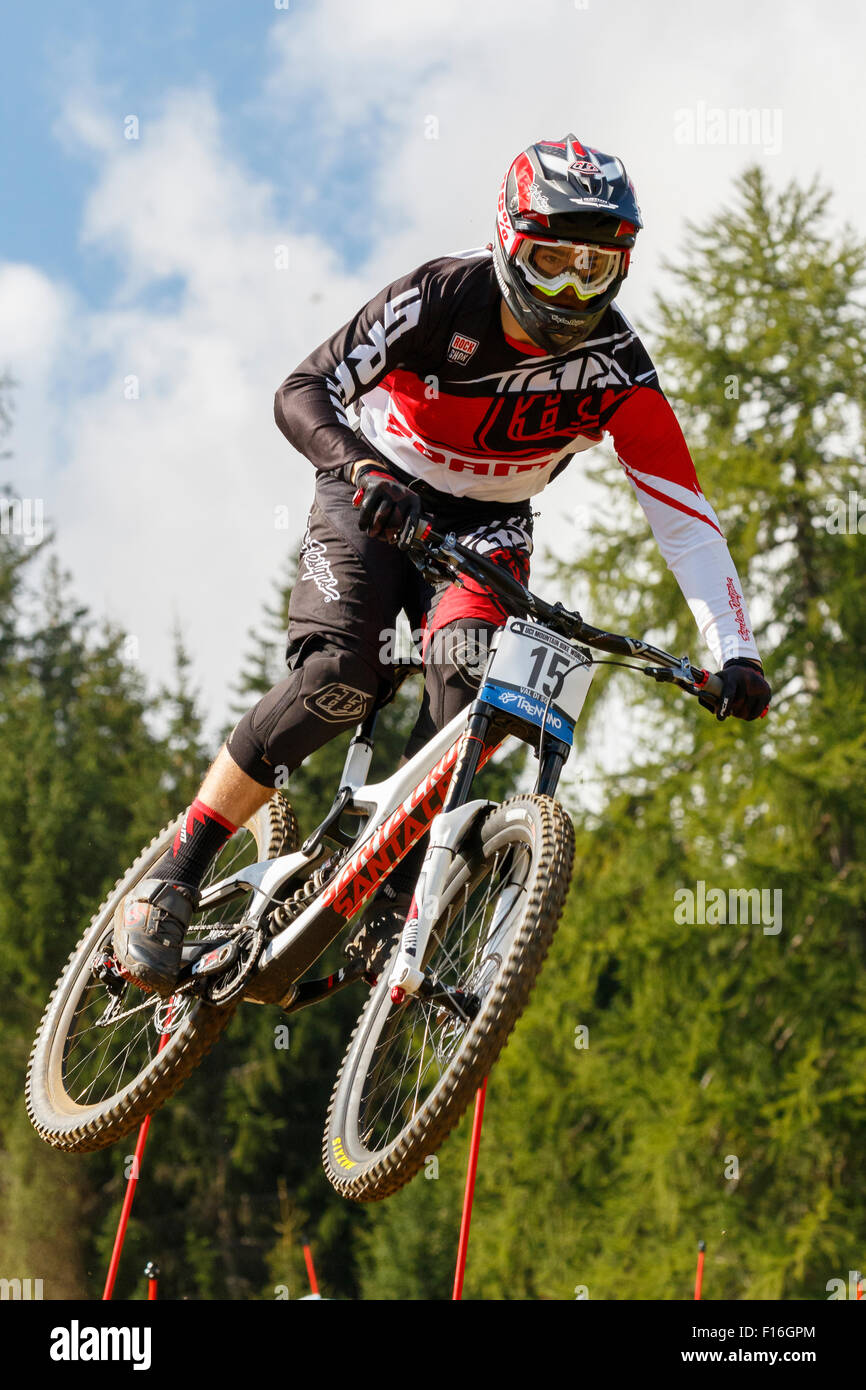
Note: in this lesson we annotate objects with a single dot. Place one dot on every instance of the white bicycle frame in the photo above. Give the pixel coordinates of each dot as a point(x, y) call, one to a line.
point(388, 805)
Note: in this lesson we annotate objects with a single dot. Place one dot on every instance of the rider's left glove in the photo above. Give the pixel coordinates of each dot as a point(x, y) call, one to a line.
point(745, 693)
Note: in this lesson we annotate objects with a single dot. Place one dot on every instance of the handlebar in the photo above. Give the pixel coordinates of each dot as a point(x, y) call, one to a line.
point(444, 554)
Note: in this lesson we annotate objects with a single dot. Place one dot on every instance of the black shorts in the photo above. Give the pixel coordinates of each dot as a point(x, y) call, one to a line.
point(353, 587)
point(342, 633)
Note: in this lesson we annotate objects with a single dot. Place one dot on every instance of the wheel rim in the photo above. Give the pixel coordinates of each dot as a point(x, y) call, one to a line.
point(418, 1042)
point(98, 1053)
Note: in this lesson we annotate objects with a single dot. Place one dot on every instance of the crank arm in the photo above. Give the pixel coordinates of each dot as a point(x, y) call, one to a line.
point(207, 958)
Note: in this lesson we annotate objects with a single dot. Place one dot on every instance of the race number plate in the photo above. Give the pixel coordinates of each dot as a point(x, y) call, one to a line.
point(538, 676)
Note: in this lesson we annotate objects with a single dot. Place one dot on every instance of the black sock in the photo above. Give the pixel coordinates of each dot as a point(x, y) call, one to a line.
point(196, 844)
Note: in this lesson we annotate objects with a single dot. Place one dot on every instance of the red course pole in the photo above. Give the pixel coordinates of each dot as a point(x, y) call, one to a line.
point(699, 1273)
point(311, 1271)
point(130, 1193)
point(474, 1145)
point(151, 1271)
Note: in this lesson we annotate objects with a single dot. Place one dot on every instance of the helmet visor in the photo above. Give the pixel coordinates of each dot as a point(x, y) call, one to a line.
point(584, 269)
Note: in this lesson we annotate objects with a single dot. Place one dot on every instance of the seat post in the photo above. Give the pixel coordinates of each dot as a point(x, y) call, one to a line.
point(359, 754)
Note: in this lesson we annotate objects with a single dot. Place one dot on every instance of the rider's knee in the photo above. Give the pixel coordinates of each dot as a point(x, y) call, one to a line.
point(457, 653)
point(455, 657)
point(330, 690)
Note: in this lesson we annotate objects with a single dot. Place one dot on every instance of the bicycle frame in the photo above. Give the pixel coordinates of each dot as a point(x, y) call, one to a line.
point(434, 786)
point(398, 812)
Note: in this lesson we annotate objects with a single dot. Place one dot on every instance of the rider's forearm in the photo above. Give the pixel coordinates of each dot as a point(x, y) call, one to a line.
point(312, 421)
point(711, 586)
point(312, 403)
point(655, 457)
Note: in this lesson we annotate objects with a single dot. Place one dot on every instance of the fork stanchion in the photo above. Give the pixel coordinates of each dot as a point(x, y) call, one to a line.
point(469, 1193)
point(131, 1185)
point(699, 1272)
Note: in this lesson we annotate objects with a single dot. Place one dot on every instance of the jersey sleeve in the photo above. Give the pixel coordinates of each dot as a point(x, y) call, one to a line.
point(310, 405)
point(656, 460)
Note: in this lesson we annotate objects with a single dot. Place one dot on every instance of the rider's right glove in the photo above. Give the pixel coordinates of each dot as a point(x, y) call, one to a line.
point(745, 693)
point(385, 503)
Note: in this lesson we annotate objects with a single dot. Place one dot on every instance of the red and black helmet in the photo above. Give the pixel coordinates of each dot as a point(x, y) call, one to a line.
point(566, 223)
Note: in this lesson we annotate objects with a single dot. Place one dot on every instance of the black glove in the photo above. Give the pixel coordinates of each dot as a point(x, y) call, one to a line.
point(745, 692)
point(385, 504)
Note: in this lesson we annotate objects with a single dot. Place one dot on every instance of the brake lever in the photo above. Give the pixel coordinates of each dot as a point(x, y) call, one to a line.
point(707, 687)
point(415, 529)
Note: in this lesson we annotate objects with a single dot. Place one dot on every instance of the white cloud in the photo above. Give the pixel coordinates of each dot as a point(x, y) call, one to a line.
point(36, 317)
point(172, 464)
point(33, 314)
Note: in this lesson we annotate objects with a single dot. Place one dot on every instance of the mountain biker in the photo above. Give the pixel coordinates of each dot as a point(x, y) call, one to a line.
point(478, 376)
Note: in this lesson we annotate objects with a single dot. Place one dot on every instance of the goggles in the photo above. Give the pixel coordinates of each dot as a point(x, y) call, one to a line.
point(552, 267)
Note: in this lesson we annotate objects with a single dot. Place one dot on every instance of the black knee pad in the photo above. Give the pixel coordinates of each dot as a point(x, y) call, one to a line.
point(454, 663)
point(330, 690)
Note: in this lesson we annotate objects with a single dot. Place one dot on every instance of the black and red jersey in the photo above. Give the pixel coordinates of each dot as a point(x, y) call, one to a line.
point(447, 397)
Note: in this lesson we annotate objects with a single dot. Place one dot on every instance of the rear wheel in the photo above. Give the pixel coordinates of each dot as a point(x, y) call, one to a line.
point(411, 1069)
point(106, 1053)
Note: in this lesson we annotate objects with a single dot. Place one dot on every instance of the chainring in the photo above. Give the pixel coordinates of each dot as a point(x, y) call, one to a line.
point(223, 988)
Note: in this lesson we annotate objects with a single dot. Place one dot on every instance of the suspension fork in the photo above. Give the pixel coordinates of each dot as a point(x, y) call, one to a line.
point(447, 830)
point(477, 728)
point(554, 756)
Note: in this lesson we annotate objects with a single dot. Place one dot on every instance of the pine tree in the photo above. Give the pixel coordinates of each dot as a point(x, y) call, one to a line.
point(80, 778)
point(677, 1079)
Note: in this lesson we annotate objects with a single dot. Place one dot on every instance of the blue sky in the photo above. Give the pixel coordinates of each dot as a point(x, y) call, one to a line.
point(133, 55)
point(362, 138)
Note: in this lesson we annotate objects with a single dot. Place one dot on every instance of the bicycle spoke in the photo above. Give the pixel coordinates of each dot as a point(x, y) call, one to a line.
point(420, 1038)
point(102, 1057)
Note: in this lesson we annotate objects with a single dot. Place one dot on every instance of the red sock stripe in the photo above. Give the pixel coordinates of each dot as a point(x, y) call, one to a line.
point(213, 815)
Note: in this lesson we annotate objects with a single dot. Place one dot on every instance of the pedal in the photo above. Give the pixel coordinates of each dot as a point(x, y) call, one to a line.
point(106, 969)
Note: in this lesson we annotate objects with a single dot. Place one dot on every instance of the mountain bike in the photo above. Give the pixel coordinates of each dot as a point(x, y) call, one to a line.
point(487, 902)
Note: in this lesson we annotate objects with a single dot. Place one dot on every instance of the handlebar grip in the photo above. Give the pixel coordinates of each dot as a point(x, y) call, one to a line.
point(713, 687)
point(708, 689)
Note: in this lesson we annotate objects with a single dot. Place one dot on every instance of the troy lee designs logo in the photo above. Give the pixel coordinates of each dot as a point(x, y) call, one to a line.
point(735, 602)
point(535, 413)
point(318, 568)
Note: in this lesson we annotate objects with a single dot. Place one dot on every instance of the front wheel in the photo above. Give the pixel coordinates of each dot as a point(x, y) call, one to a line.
point(411, 1070)
point(106, 1053)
